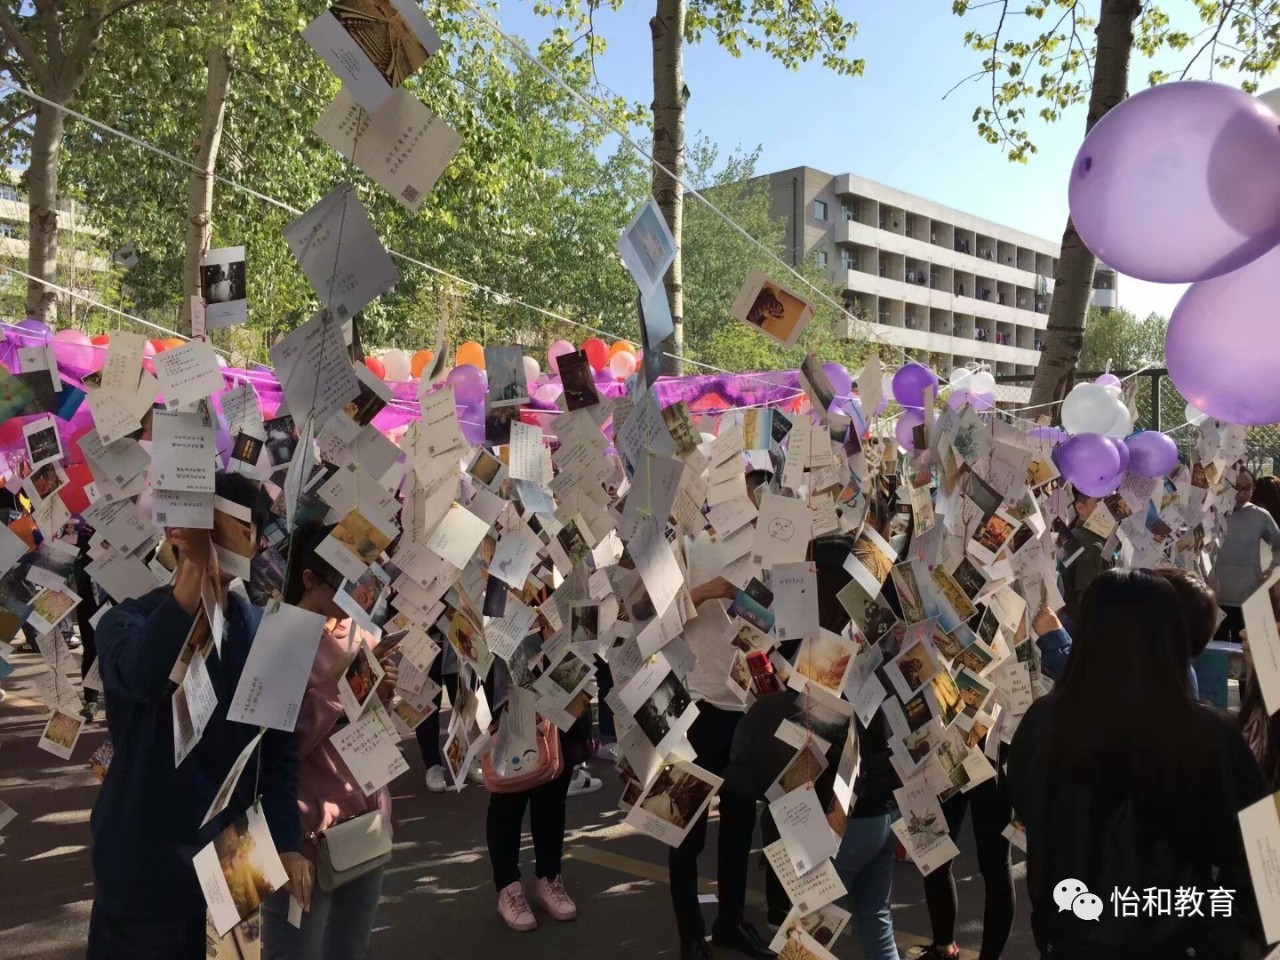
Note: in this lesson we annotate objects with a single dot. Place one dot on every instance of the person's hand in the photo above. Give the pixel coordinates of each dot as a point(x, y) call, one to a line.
point(716, 589)
point(390, 677)
point(1046, 621)
point(195, 548)
point(301, 874)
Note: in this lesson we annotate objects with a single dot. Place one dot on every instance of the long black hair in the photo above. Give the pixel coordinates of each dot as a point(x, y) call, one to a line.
point(302, 556)
point(1126, 719)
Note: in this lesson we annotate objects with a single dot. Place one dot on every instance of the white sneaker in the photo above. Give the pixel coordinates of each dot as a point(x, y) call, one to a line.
point(436, 782)
point(583, 782)
point(609, 751)
point(476, 773)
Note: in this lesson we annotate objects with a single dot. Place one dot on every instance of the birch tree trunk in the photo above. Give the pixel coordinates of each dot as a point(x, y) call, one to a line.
point(42, 214)
point(669, 96)
point(200, 188)
point(1073, 279)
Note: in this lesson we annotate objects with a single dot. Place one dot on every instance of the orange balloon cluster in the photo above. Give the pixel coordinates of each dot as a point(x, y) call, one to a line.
point(470, 353)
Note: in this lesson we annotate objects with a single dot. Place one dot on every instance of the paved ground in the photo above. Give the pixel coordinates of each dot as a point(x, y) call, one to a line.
point(438, 900)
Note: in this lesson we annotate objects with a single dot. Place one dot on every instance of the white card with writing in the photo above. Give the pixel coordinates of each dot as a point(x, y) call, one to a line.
point(276, 671)
point(188, 373)
point(183, 448)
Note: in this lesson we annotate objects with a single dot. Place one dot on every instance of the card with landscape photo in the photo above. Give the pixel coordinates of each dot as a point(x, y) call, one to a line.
point(771, 308)
point(647, 249)
point(359, 682)
point(909, 595)
point(505, 369)
point(825, 660)
point(911, 669)
point(61, 734)
point(870, 561)
point(239, 869)
point(954, 607)
point(805, 767)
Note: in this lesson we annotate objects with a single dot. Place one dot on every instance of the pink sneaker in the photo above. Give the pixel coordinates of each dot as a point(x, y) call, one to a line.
point(551, 897)
point(514, 908)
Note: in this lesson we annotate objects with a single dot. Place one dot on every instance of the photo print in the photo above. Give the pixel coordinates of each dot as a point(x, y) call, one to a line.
point(576, 377)
point(238, 870)
point(505, 368)
point(43, 444)
point(672, 804)
point(223, 287)
point(771, 308)
point(647, 247)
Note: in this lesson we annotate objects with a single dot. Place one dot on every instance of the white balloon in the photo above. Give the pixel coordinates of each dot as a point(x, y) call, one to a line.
point(983, 382)
point(1193, 415)
point(1114, 390)
point(1122, 425)
point(960, 378)
point(1272, 99)
point(886, 386)
point(398, 364)
point(1089, 408)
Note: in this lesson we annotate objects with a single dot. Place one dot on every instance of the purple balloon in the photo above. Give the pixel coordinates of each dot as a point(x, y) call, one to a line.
point(1215, 348)
point(1091, 463)
point(1151, 454)
point(34, 330)
point(958, 399)
point(1122, 449)
point(1108, 380)
point(1178, 183)
point(910, 383)
point(841, 382)
point(982, 401)
point(471, 419)
point(905, 427)
point(468, 386)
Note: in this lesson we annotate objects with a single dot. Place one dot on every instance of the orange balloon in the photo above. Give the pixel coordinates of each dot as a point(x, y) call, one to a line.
point(470, 352)
point(421, 360)
point(160, 346)
point(621, 346)
point(100, 340)
point(25, 528)
point(172, 342)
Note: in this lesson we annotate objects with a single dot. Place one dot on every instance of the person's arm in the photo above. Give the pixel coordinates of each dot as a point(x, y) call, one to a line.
point(137, 651)
point(1271, 535)
point(279, 787)
point(1054, 642)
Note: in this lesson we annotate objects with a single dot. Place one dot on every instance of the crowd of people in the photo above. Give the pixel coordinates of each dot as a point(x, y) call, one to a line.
point(1120, 753)
point(1116, 775)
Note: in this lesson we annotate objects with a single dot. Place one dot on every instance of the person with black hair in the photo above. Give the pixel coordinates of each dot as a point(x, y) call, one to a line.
point(1124, 783)
point(250, 493)
point(336, 924)
point(148, 904)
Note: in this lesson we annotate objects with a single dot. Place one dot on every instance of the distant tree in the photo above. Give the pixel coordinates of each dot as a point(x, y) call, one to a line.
point(1118, 337)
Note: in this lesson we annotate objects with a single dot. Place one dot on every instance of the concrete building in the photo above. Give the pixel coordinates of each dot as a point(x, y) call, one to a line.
point(927, 277)
point(78, 256)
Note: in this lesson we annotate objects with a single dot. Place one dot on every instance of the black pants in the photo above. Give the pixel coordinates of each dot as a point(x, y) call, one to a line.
point(546, 822)
point(711, 736)
point(428, 731)
point(175, 938)
point(1232, 624)
point(88, 638)
point(992, 812)
point(604, 680)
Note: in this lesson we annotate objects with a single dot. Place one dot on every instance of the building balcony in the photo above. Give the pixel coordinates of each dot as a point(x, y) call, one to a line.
point(923, 295)
point(912, 338)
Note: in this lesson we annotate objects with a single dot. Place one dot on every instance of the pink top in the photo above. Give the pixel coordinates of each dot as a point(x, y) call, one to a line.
point(327, 792)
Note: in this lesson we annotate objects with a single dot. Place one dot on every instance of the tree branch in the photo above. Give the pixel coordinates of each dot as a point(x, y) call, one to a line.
point(120, 7)
point(1211, 42)
point(13, 122)
point(22, 47)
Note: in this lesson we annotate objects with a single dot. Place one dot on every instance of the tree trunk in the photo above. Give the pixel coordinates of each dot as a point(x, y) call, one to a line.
point(200, 188)
point(42, 217)
point(669, 95)
point(1073, 279)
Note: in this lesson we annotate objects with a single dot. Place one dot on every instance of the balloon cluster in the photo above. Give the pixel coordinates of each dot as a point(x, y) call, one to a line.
point(610, 363)
point(87, 354)
point(1181, 184)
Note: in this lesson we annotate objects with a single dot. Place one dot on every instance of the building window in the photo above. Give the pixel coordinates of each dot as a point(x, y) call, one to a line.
point(850, 212)
point(822, 259)
point(848, 261)
point(9, 231)
point(820, 210)
point(10, 193)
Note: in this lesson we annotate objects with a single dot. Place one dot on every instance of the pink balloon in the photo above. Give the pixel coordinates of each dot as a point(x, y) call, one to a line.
point(1108, 380)
point(555, 352)
point(72, 348)
point(548, 393)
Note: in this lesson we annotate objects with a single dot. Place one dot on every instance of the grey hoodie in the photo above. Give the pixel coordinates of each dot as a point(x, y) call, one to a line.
point(1239, 570)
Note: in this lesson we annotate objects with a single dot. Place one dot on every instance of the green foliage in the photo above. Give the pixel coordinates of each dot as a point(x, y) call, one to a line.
point(1038, 56)
point(1122, 339)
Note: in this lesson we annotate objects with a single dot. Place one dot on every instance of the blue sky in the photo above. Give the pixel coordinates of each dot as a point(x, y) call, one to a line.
point(891, 124)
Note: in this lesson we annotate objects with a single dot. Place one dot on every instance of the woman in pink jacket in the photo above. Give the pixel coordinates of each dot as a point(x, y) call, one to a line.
point(335, 925)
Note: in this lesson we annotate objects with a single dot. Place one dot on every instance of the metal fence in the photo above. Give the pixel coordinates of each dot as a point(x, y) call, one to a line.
point(1159, 407)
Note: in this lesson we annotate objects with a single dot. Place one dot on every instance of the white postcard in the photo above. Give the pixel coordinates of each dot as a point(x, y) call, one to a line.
point(183, 448)
point(1260, 828)
point(647, 249)
point(458, 536)
point(223, 796)
point(122, 576)
point(275, 674)
point(61, 734)
point(188, 373)
point(121, 461)
point(43, 444)
point(314, 370)
point(783, 530)
point(342, 256)
point(1264, 642)
point(810, 891)
point(402, 146)
point(370, 749)
point(923, 829)
point(803, 828)
point(223, 289)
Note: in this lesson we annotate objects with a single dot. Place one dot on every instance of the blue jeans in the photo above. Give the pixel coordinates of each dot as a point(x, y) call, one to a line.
point(865, 865)
point(337, 927)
